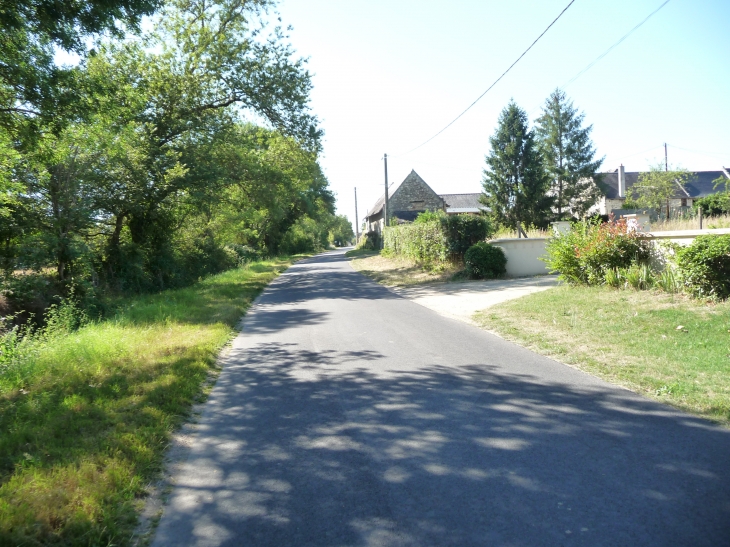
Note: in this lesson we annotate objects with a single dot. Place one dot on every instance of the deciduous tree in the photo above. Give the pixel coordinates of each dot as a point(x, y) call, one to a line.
point(657, 187)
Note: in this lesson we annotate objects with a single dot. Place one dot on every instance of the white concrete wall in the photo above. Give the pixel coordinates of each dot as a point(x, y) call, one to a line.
point(684, 237)
point(523, 255)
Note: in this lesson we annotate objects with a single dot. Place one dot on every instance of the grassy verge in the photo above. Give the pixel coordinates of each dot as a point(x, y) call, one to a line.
point(397, 272)
point(630, 338)
point(85, 418)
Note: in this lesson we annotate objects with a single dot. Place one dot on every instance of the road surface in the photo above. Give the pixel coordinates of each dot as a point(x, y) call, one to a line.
point(349, 416)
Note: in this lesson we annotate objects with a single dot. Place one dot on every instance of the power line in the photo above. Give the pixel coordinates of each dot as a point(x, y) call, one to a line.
point(602, 55)
point(495, 82)
point(637, 153)
point(711, 155)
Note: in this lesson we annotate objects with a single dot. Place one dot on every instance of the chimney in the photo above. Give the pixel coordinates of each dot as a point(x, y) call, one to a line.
point(621, 182)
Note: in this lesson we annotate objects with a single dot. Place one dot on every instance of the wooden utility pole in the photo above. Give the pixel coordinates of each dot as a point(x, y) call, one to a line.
point(666, 163)
point(385, 205)
point(357, 224)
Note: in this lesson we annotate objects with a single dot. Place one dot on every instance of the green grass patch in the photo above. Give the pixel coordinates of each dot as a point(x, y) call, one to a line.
point(630, 338)
point(361, 252)
point(85, 418)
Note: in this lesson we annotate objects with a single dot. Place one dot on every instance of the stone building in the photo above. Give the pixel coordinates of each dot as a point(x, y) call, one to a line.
point(413, 197)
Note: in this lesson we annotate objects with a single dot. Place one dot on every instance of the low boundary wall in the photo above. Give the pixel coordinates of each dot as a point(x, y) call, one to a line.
point(523, 254)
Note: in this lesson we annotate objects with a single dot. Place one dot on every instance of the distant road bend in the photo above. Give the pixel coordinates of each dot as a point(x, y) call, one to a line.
point(348, 416)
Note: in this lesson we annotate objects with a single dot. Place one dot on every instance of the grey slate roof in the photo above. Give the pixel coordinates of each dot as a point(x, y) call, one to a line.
point(700, 184)
point(462, 202)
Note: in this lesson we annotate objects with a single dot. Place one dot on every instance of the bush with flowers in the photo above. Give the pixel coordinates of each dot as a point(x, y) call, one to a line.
point(592, 248)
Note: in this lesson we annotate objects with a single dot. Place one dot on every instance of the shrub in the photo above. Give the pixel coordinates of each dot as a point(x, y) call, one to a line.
point(244, 253)
point(613, 278)
point(463, 231)
point(638, 276)
point(435, 237)
point(714, 204)
point(483, 260)
point(590, 249)
point(430, 216)
point(667, 281)
point(705, 266)
point(422, 242)
point(306, 235)
point(369, 241)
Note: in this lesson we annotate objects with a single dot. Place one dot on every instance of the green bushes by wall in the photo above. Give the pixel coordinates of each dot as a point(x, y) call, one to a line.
point(463, 231)
point(435, 237)
point(595, 253)
point(423, 242)
point(704, 266)
point(590, 249)
point(484, 261)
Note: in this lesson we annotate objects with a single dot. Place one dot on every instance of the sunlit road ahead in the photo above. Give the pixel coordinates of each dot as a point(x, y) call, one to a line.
point(348, 416)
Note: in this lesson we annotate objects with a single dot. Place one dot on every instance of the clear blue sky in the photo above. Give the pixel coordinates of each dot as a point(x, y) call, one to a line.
point(390, 74)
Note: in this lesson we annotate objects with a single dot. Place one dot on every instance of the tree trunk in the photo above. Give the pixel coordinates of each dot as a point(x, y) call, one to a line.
point(117, 233)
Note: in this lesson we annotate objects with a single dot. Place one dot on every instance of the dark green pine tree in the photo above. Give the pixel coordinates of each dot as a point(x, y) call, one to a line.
point(515, 183)
point(568, 155)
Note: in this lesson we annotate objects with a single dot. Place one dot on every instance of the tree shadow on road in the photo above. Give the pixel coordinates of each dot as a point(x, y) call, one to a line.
point(315, 448)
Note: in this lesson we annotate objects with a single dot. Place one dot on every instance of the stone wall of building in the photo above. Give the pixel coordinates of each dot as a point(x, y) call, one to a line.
point(414, 196)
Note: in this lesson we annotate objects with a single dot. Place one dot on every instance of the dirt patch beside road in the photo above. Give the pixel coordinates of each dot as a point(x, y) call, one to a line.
point(432, 289)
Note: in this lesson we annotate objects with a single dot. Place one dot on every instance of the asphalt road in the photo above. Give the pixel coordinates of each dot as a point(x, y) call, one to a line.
point(349, 416)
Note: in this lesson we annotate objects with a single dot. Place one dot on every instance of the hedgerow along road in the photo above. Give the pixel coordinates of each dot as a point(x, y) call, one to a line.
point(346, 415)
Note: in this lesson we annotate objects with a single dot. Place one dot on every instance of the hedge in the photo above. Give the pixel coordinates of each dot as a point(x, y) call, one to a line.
point(436, 238)
point(425, 243)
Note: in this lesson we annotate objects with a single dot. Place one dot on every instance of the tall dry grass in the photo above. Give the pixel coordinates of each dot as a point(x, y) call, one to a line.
point(690, 223)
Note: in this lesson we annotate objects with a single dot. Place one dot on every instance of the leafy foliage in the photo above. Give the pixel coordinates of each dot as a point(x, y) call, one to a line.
point(515, 182)
point(423, 242)
point(463, 231)
point(435, 237)
point(369, 241)
point(430, 216)
point(705, 266)
point(568, 155)
point(655, 188)
point(156, 178)
point(590, 249)
point(714, 204)
point(483, 260)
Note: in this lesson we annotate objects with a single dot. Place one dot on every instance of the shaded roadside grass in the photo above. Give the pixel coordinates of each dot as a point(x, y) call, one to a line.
point(397, 272)
point(85, 418)
point(630, 338)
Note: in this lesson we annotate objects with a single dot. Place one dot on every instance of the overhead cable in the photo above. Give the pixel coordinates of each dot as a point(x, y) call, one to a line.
point(602, 55)
point(495, 81)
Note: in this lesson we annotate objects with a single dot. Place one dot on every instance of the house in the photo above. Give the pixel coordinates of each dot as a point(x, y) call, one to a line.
point(616, 185)
point(413, 197)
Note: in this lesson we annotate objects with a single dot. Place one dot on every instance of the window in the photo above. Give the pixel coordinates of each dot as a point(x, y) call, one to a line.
point(684, 202)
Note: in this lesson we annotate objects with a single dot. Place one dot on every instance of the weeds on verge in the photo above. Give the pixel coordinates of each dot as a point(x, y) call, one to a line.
point(86, 414)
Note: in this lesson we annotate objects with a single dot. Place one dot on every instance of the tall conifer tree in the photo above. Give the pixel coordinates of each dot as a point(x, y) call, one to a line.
point(515, 184)
point(568, 155)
